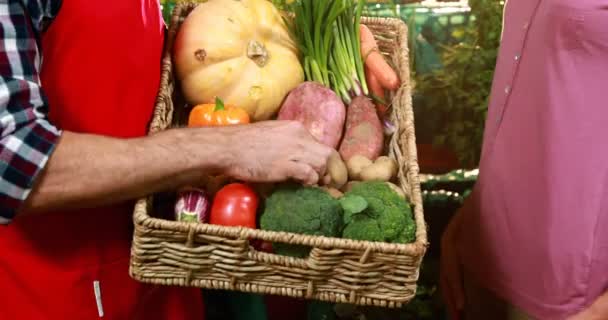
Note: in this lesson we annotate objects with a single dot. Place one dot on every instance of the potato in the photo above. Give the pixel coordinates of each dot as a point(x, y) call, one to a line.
point(389, 161)
point(355, 165)
point(347, 187)
point(337, 172)
point(335, 193)
point(383, 169)
point(363, 134)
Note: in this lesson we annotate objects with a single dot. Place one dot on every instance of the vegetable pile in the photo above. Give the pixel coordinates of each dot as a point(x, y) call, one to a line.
point(240, 62)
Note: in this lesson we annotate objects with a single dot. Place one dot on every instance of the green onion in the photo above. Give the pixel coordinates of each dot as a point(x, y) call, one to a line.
point(327, 35)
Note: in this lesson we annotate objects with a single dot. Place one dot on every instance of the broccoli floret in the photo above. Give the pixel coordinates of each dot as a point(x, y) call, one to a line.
point(408, 234)
point(385, 217)
point(363, 228)
point(302, 210)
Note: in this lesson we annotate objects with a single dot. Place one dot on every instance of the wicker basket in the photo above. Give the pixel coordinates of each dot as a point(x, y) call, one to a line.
point(167, 252)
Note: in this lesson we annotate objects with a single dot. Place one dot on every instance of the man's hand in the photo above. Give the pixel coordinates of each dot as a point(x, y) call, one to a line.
point(451, 271)
point(274, 151)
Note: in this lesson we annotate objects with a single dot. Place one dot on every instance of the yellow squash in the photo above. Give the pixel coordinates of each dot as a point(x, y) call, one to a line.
point(239, 51)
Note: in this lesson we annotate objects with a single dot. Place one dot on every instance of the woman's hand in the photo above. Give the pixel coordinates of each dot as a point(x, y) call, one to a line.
point(597, 311)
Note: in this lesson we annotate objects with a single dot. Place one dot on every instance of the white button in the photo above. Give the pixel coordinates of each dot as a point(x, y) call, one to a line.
point(507, 89)
point(516, 57)
point(526, 25)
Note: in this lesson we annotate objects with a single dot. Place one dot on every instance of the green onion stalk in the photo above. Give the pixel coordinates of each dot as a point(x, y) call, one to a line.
point(328, 37)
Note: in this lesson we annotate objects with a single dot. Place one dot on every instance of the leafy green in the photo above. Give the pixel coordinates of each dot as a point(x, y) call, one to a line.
point(353, 204)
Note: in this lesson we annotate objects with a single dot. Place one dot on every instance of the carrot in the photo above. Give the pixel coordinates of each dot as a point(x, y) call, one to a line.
point(376, 91)
point(373, 59)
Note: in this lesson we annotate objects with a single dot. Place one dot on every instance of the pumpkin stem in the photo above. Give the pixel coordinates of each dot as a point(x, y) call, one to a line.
point(258, 53)
point(219, 104)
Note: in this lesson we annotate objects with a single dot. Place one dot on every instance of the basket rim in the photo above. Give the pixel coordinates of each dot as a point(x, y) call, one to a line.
point(416, 248)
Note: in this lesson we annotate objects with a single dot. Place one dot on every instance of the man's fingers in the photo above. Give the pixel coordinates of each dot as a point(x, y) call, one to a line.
point(317, 155)
point(302, 172)
point(316, 163)
point(326, 179)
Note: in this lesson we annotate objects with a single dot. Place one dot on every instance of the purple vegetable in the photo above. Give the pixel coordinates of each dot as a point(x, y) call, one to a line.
point(192, 205)
point(389, 127)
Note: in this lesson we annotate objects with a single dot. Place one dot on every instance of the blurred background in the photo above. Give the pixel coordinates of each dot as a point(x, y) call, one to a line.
point(453, 48)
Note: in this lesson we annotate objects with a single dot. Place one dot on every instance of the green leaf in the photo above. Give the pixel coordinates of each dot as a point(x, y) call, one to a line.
point(353, 204)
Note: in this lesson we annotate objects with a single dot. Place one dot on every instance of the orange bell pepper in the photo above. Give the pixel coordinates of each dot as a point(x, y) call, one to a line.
point(205, 115)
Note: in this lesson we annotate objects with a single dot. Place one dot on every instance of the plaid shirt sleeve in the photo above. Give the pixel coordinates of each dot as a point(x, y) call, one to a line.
point(27, 136)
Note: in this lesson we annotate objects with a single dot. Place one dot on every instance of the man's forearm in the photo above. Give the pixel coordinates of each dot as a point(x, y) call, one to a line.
point(89, 170)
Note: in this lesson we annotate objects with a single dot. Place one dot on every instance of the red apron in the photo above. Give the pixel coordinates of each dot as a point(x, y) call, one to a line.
point(101, 74)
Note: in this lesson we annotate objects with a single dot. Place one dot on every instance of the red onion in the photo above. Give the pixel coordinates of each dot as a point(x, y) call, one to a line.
point(192, 205)
point(389, 127)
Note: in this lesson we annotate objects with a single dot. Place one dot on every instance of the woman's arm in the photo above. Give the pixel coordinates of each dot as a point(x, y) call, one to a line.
point(597, 311)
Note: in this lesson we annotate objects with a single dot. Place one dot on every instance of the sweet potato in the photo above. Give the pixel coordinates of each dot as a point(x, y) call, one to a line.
point(319, 109)
point(363, 133)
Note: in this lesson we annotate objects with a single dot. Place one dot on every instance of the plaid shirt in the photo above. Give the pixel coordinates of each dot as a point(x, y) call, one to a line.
point(27, 136)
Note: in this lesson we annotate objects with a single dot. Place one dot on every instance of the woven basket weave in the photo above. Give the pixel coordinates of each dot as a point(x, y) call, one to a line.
point(168, 252)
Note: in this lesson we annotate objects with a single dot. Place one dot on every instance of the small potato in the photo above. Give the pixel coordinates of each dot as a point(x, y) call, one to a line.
point(347, 187)
point(337, 172)
point(384, 169)
point(355, 165)
point(389, 162)
point(397, 189)
point(391, 165)
point(335, 193)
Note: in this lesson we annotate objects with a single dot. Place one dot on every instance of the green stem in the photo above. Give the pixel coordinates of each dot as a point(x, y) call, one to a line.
point(219, 104)
point(307, 72)
point(359, 63)
point(327, 33)
point(316, 72)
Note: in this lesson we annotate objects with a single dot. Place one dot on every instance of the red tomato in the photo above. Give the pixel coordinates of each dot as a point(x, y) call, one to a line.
point(235, 205)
